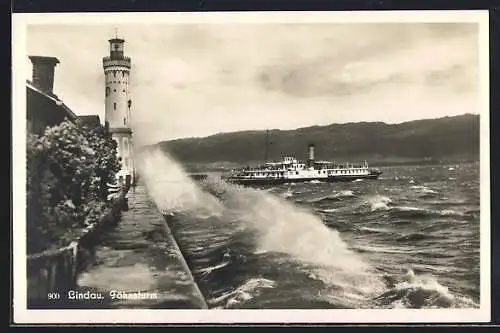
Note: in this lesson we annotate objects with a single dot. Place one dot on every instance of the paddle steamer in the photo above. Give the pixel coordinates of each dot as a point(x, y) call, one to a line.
point(290, 170)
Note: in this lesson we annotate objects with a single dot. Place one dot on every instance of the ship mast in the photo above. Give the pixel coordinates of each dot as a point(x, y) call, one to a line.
point(267, 145)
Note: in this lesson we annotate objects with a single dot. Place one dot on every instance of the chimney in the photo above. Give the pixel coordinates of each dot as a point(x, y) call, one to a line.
point(43, 72)
point(311, 154)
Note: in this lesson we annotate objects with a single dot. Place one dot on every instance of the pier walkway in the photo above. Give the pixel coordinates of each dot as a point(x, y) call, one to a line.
point(140, 255)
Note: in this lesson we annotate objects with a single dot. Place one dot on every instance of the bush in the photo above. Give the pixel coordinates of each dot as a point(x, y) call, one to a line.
point(68, 168)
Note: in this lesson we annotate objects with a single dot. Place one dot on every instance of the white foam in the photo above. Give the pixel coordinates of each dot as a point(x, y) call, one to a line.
point(288, 194)
point(345, 193)
point(409, 209)
point(379, 202)
point(245, 292)
point(331, 210)
point(428, 284)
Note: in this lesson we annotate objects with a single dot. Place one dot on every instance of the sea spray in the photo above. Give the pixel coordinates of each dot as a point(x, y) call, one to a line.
point(170, 186)
point(284, 228)
point(276, 225)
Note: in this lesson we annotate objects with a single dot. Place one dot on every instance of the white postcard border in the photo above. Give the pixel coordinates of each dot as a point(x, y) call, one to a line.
point(24, 316)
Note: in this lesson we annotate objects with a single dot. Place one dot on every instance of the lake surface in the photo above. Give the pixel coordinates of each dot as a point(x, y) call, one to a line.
point(407, 240)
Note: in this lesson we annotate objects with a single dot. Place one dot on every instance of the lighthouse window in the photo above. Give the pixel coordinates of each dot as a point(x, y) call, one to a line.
point(296, 172)
point(114, 90)
point(123, 90)
point(125, 144)
point(114, 105)
point(124, 121)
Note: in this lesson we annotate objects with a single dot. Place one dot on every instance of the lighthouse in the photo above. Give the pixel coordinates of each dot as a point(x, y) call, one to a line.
point(117, 106)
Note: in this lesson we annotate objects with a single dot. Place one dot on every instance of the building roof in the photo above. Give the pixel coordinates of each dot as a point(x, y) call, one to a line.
point(117, 40)
point(71, 115)
point(90, 120)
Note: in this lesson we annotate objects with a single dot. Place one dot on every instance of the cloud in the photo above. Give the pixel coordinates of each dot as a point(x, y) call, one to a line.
point(421, 59)
point(196, 80)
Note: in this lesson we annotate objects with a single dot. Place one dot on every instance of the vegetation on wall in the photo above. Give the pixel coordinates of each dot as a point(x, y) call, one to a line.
point(68, 169)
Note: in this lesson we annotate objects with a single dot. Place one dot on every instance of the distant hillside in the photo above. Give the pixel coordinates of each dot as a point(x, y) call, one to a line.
point(444, 139)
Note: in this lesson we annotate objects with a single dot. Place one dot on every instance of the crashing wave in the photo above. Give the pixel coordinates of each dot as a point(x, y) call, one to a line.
point(379, 203)
point(415, 292)
point(333, 197)
point(248, 290)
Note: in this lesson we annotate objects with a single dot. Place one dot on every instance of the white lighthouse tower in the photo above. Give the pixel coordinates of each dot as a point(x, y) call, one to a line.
point(117, 111)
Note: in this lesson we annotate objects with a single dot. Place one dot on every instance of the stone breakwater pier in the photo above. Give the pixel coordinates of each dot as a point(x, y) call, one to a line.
point(137, 265)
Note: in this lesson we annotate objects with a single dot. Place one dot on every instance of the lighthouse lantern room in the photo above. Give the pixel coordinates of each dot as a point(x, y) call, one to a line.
point(117, 106)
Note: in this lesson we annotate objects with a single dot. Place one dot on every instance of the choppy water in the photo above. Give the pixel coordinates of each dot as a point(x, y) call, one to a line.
point(407, 240)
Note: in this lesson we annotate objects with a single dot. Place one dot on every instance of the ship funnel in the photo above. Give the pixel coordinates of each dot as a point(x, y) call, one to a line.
point(311, 154)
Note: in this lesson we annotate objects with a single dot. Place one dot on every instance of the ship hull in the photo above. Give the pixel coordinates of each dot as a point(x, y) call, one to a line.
point(278, 181)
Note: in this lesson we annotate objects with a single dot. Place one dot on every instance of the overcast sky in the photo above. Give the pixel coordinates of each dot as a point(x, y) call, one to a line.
point(196, 80)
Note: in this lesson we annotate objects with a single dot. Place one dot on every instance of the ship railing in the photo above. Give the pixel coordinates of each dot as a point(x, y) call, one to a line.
point(345, 166)
point(266, 169)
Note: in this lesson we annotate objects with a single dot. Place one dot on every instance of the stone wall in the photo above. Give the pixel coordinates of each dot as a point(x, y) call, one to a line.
point(52, 273)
